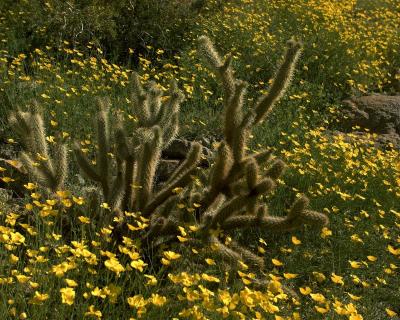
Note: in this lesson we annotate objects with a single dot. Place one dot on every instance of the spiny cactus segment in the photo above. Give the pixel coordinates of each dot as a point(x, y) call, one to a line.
point(47, 168)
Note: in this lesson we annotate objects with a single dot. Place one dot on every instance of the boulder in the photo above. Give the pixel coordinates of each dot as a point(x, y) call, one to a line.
point(165, 169)
point(378, 113)
point(179, 148)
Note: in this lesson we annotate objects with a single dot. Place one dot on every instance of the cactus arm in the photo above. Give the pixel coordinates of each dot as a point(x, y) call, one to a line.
point(191, 161)
point(39, 134)
point(276, 169)
point(297, 216)
point(84, 164)
point(224, 252)
point(252, 174)
point(275, 224)
point(103, 137)
point(229, 209)
point(281, 81)
point(180, 178)
point(171, 130)
point(233, 115)
point(117, 189)
point(60, 165)
point(262, 157)
point(51, 171)
point(121, 140)
point(241, 136)
point(147, 166)
point(248, 256)
point(128, 182)
point(222, 69)
point(40, 173)
point(221, 169)
point(154, 102)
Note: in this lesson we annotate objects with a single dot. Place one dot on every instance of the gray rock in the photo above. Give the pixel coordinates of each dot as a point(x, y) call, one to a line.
point(179, 148)
point(378, 113)
point(165, 169)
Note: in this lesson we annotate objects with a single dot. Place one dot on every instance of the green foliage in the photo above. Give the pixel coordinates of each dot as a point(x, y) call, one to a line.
point(113, 25)
point(229, 197)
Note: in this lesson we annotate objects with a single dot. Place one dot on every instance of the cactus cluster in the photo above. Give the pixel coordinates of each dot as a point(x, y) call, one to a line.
point(226, 197)
point(47, 168)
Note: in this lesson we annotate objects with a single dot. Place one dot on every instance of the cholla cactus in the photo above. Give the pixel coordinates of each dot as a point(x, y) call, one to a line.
point(48, 169)
point(127, 157)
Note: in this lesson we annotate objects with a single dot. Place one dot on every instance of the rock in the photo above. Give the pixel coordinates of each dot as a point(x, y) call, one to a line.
point(378, 113)
point(165, 169)
point(179, 148)
point(176, 152)
point(5, 195)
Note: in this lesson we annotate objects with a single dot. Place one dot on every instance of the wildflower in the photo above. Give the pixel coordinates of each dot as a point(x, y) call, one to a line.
point(114, 265)
point(71, 283)
point(136, 301)
point(158, 300)
point(277, 263)
point(305, 291)
point(138, 265)
point(325, 232)
point(207, 277)
point(318, 297)
point(13, 258)
point(30, 186)
point(393, 251)
point(337, 279)
point(296, 241)
point(320, 277)
point(78, 200)
point(355, 264)
point(38, 298)
point(84, 220)
point(62, 193)
point(170, 255)
point(290, 275)
point(97, 292)
point(321, 309)
point(67, 295)
point(275, 286)
point(22, 278)
point(105, 205)
point(353, 297)
point(390, 313)
point(152, 280)
point(93, 312)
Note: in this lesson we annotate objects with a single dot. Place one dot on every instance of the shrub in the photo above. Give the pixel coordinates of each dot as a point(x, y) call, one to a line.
point(113, 25)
